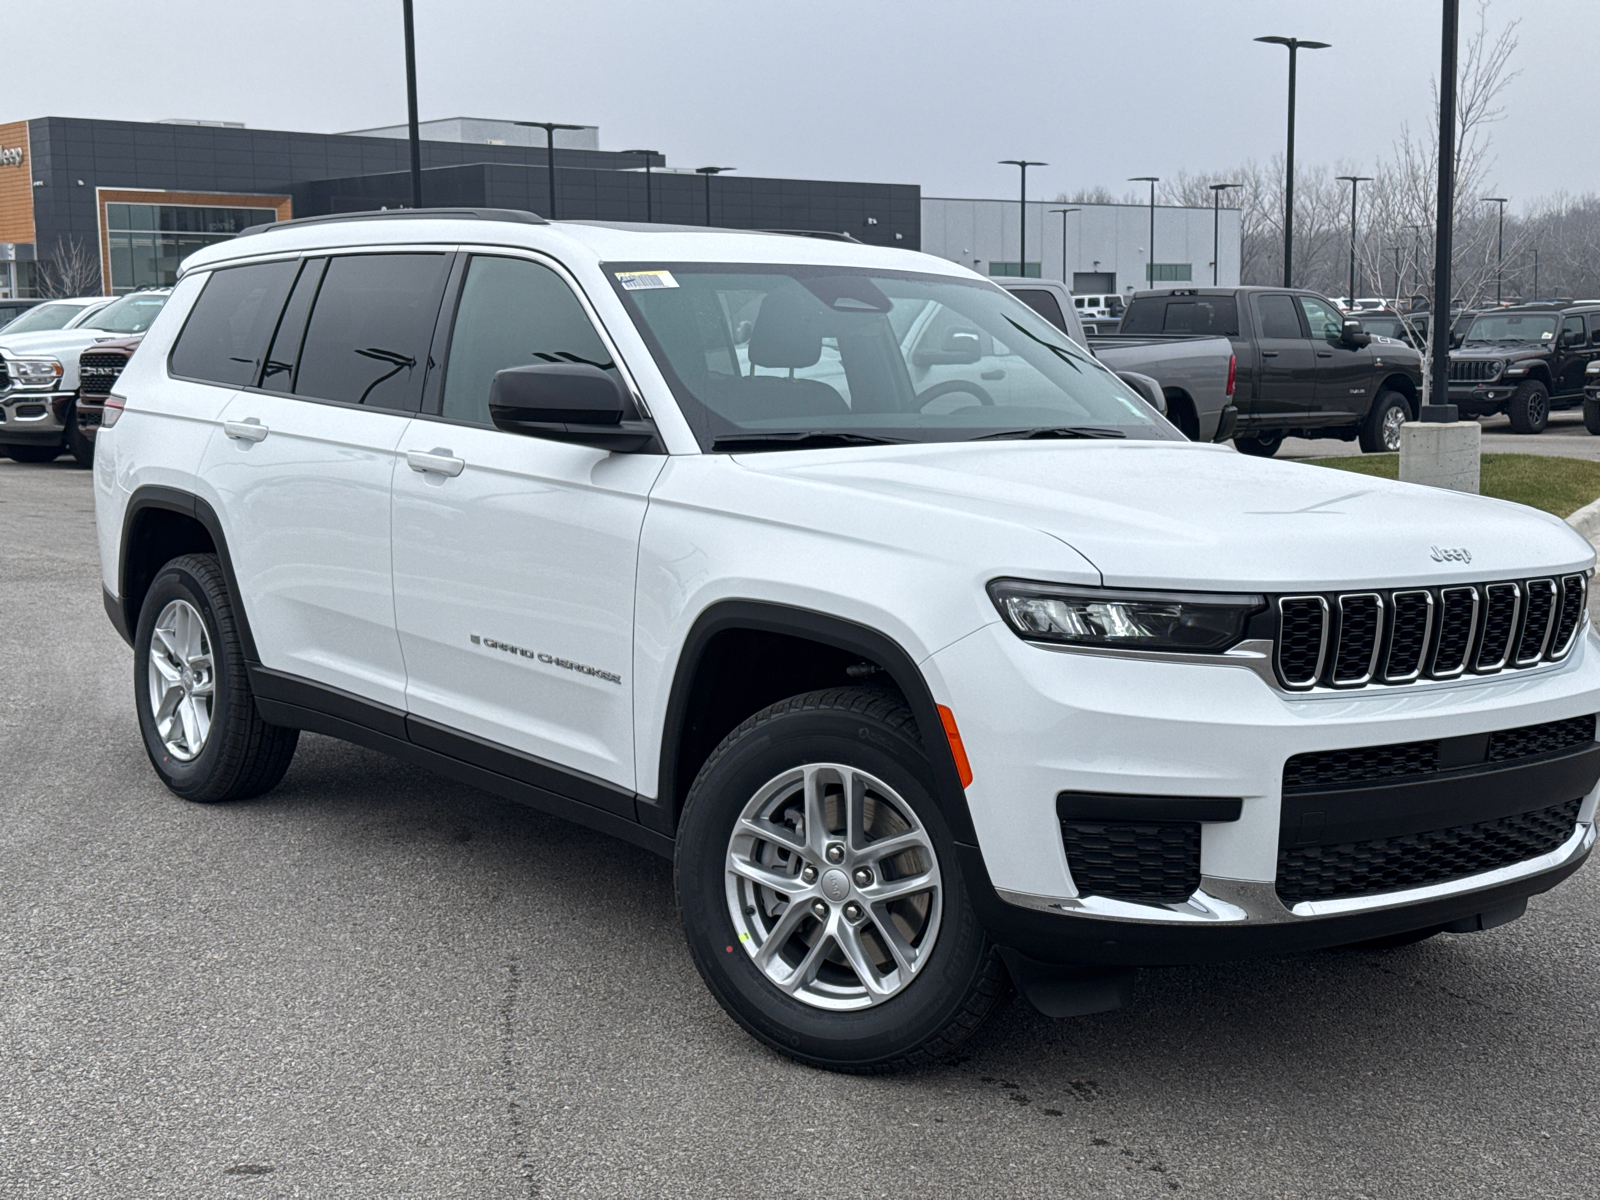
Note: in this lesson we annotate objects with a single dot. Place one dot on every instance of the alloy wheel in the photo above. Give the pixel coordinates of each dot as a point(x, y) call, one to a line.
point(1392, 421)
point(182, 680)
point(833, 887)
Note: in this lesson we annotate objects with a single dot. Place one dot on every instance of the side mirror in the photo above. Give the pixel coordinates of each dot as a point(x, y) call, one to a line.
point(567, 402)
point(961, 348)
point(1354, 335)
point(1149, 390)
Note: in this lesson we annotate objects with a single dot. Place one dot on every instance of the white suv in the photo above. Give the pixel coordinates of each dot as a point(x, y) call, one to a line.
point(931, 654)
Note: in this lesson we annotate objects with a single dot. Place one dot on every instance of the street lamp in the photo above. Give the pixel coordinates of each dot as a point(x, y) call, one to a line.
point(649, 157)
point(1536, 273)
point(1355, 181)
point(1440, 411)
point(412, 134)
point(1294, 45)
point(1022, 210)
point(708, 172)
point(1063, 212)
point(549, 128)
point(1216, 224)
point(1500, 250)
point(1150, 251)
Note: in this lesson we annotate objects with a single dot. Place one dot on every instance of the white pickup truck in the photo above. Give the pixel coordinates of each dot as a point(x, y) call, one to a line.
point(1195, 374)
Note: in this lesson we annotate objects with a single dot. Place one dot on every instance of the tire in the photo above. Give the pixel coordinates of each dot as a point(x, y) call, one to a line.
point(215, 746)
point(1591, 415)
point(1260, 445)
point(1380, 432)
point(769, 767)
point(1529, 407)
point(1180, 411)
point(31, 454)
point(81, 446)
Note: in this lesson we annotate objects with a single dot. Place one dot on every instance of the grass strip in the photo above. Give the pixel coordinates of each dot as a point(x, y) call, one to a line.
point(1557, 485)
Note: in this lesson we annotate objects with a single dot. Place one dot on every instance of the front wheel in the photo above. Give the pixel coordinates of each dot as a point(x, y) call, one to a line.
point(1380, 432)
point(1529, 407)
point(820, 892)
point(1261, 445)
point(1591, 415)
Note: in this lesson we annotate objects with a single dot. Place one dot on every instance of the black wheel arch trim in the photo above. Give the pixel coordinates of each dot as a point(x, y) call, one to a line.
point(661, 814)
point(155, 496)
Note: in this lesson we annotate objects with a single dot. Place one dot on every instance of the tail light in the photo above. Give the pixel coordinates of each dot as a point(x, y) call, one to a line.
point(1233, 372)
point(113, 410)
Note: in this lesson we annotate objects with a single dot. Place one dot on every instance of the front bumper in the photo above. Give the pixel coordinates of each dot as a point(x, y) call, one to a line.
point(1483, 398)
point(33, 417)
point(1038, 722)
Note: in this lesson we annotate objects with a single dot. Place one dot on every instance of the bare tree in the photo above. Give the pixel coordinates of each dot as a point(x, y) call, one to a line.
point(74, 270)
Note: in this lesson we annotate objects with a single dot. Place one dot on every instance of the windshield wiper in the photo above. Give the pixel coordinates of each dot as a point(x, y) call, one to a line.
point(1050, 431)
point(794, 439)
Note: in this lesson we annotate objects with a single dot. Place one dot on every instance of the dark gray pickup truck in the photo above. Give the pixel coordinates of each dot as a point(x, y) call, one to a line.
point(1304, 370)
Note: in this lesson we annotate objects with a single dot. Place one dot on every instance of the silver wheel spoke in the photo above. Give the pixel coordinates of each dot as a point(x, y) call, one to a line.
point(890, 846)
point(788, 922)
point(769, 832)
point(767, 878)
point(809, 965)
point(168, 672)
point(898, 889)
point(169, 704)
point(904, 955)
point(191, 724)
point(855, 953)
point(816, 811)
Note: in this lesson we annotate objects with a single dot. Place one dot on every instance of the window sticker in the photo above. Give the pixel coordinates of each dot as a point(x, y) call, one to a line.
point(643, 281)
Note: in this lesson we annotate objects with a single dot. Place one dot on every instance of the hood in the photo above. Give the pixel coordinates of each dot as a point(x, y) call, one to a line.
point(1181, 515)
point(54, 342)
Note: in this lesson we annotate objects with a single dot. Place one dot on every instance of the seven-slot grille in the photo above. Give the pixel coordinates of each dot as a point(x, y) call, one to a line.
point(1472, 370)
point(98, 370)
point(1356, 638)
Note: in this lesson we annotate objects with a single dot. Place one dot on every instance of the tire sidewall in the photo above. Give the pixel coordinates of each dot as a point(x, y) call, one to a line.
point(1530, 395)
point(193, 778)
point(886, 1031)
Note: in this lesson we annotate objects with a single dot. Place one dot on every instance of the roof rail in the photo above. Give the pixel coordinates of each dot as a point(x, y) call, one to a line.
point(826, 235)
point(517, 215)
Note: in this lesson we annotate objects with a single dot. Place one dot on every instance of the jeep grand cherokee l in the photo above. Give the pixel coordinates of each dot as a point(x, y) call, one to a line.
point(930, 669)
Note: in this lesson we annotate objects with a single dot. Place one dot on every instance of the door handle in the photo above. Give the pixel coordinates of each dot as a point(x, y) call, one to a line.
point(437, 461)
point(248, 430)
point(1324, 353)
point(1269, 354)
point(992, 375)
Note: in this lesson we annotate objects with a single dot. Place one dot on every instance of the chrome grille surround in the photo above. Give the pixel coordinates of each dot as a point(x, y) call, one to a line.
point(1424, 634)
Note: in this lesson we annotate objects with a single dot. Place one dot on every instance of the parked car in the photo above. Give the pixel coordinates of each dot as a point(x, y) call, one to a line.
point(99, 367)
point(40, 317)
point(922, 685)
point(1386, 323)
point(10, 310)
point(39, 375)
point(1525, 362)
point(1192, 374)
point(1304, 370)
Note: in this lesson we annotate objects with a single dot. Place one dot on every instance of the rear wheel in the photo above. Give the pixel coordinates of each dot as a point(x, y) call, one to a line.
point(1529, 407)
point(196, 711)
point(1258, 445)
point(1591, 415)
point(31, 454)
point(1380, 432)
point(820, 892)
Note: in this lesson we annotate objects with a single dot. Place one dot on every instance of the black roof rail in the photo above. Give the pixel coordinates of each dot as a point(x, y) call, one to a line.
point(515, 215)
point(826, 235)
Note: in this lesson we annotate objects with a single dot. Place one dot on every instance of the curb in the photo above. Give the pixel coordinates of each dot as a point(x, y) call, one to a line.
point(1587, 520)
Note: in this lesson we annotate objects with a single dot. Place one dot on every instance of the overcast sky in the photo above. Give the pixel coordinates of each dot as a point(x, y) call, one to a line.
point(904, 91)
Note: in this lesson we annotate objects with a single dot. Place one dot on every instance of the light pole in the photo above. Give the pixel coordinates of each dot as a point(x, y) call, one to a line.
point(1500, 247)
point(1294, 45)
point(1022, 210)
point(1216, 224)
point(649, 157)
point(1150, 251)
point(549, 128)
point(708, 172)
point(1355, 181)
point(1536, 273)
point(1440, 410)
point(1063, 212)
point(411, 107)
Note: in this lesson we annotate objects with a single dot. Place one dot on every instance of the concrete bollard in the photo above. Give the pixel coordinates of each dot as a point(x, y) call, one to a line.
point(1441, 455)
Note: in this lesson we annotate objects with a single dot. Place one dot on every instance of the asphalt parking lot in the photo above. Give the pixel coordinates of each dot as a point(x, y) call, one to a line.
point(374, 982)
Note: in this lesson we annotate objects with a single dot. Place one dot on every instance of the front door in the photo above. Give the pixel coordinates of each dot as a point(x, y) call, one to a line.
point(514, 557)
point(306, 465)
point(1344, 372)
point(1572, 357)
point(1286, 378)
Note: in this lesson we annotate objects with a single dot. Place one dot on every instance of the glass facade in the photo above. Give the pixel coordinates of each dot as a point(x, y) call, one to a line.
point(1169, 272)
point(148, 241)
point(1026, 270)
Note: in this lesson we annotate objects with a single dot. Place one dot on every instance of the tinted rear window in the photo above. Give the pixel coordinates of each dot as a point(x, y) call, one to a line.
point(1043, 303)
point(227, 330)
point(367, 342)
point(1216, 316)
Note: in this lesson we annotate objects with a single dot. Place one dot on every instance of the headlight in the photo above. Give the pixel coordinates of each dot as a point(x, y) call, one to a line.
point(1496, 367)
point(34, 372)
point(1593, 368)
point(1197, 622)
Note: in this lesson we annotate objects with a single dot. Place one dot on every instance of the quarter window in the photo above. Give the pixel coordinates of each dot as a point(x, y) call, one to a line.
point(227, 330)
point(1044, 304)
point(367, 341)
point(512, 313)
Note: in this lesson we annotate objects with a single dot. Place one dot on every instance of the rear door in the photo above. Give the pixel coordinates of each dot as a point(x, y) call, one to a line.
point(1286, 373)
point(1344, 372)
point(306, 466)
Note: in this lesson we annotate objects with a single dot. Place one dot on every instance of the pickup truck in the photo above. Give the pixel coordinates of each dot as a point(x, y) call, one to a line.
point(1194, 374)
point(1304, 369)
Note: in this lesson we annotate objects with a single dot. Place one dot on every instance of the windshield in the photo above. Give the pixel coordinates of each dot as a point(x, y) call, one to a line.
point(1389, 327)
point(1512, 327)
point(131, 314)
point(772, 350)
point(44, 317)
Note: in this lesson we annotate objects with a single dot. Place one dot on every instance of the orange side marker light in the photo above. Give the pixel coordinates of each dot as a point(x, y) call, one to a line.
point(957, 750)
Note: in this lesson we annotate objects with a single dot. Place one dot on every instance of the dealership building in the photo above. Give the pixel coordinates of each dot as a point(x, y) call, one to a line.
point(89, 206)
